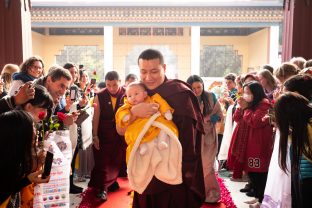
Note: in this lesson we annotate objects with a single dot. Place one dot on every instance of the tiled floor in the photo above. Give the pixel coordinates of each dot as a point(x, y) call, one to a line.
point(234, 187)
point(75, 199)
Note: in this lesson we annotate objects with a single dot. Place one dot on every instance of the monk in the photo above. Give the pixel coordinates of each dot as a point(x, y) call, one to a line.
point(187, 117)
point(108, 147)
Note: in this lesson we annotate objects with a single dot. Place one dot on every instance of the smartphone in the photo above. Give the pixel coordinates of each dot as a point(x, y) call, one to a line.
point(93, 81)
point(47, 165)
point(73, 93)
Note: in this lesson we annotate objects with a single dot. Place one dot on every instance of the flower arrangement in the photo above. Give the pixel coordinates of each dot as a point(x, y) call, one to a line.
point(54, 123)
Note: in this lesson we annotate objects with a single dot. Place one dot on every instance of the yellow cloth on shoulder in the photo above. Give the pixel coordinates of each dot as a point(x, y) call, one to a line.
point(5, 203)
point(27, 196)
point(135, 128)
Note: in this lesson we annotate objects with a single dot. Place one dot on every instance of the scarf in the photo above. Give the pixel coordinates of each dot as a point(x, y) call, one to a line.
point(23, 76)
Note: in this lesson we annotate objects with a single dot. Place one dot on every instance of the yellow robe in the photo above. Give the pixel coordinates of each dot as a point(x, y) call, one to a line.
point(5, 203)
point(134, 128)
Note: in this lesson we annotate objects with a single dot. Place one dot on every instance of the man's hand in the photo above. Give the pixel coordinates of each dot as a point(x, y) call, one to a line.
point(96, 142)
point(83, 101)
point(69, 103)
point(71, 118)
point(144, 110)
point(25, 93)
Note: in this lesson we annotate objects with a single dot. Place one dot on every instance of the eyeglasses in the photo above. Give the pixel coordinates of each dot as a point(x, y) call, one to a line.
point(36, 67)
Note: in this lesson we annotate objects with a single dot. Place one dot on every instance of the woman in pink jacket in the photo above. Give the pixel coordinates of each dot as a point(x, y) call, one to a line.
point(253, 107)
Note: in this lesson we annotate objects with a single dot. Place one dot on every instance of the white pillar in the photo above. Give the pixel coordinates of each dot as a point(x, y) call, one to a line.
point(274, 44)
point(195, 50)
point(108, 49)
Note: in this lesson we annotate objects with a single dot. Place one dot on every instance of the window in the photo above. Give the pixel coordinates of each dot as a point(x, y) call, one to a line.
point(90, 56)
point(170, 60)
point(219, 60)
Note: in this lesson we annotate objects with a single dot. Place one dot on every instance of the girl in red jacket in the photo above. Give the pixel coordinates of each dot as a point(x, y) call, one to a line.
point(253, 107)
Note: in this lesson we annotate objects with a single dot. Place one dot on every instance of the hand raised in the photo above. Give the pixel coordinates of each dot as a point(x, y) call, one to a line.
point(25, 93)
point(144, 110)
point(242, 103)
point(34, 177)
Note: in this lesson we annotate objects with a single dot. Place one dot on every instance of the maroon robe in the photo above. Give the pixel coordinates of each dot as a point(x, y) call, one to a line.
point(108, 160)
point(189, 121)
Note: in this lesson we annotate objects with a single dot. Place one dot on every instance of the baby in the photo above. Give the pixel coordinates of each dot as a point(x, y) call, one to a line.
point(136, 93)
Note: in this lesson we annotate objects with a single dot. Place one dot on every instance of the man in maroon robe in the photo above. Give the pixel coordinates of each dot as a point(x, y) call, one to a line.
point(189, 122)
point(108, 146)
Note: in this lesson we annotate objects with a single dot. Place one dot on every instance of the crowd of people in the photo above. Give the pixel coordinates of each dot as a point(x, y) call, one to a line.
point(161, 133)
point(254, 147)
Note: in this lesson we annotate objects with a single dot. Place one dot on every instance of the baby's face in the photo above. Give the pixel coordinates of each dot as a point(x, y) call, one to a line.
point(136, 95)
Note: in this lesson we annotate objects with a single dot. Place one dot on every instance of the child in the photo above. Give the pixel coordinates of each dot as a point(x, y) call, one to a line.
point(136, 94)
point(253, 106)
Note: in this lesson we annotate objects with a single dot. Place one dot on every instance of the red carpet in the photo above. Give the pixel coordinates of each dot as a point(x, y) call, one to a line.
point(118, 199)
point(121, 199)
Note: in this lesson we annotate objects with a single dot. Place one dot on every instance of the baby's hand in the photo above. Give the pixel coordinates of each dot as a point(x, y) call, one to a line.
point(126, 118)
point(168, 115)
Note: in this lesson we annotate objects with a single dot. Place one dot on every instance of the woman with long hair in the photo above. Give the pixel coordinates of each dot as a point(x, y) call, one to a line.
point(281, 197)
point(6, 78)
point(268, 83)
point(211, 111)
point(31, 69)
point(294, 120)
point(18, 146)
point(300, 83)
point(41, 103)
